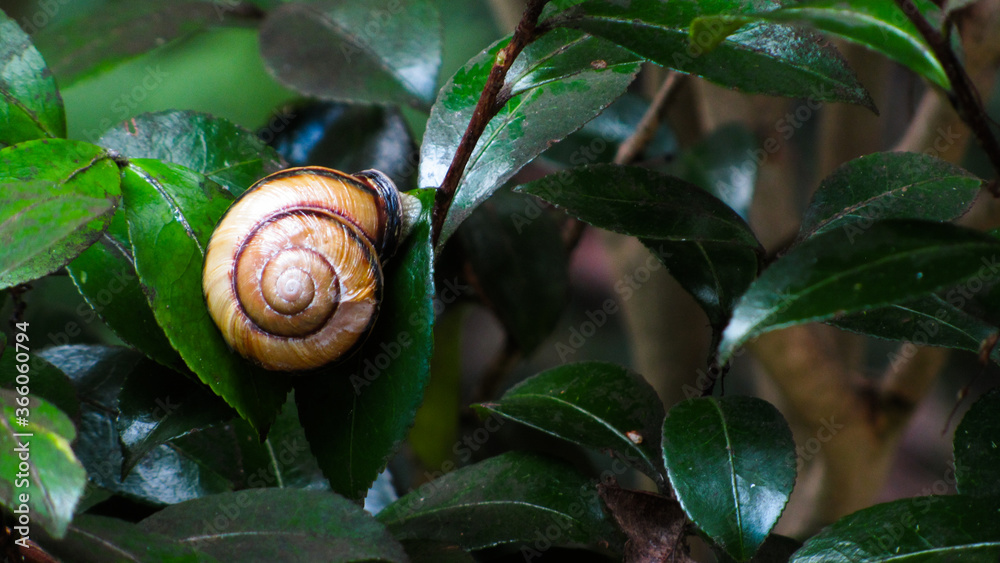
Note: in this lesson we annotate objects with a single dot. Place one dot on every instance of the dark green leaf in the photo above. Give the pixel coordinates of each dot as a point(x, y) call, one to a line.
point(47, 381)
point(762, 59)
point(529, 495)
point(977, 452)
point(519, 264)
point(356, 413)
point(557, 84)
point(708, 248)
point(105, 276)
point(39, 475)
point(382, 51)
point(277, 525)
point(889, 186)
point(776, 549)
point(731, 461)
point(351, 138)
point(725, 164)
point(594, 404)
point(116, 32)
point(56, 198)
point(436, 552)
point(98, 539)
point(599, 139)
point(171, 213)
point(30, 105)
point(879, 26)
point(225, 152)
point(282, 460)
point(927, 321)
point(157, 404)
point(836, 273)
point(914, 530)
point(165, 475)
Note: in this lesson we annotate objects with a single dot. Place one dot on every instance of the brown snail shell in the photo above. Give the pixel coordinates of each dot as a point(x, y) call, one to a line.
point(293, 271)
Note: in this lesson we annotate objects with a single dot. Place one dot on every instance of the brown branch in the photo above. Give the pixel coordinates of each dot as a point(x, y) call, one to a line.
point(963, 95)
point(485, 110)
point(650, 122)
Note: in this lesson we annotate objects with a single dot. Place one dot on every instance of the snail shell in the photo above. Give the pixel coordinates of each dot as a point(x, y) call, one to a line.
point(293, 271)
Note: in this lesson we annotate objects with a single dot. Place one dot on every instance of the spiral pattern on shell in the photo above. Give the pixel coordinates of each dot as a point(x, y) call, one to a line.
point(293, 275)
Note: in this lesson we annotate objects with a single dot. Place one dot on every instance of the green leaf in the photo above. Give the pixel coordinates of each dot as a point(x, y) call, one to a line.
point(357, 412)
point(30, 104)
point(218, 148)
point(926, 321)
point(889, 186)
point(436, 552)
point(724, 164)
point(922, 529)
point(166, 475)
point(836, 273)
point(879, 26)
point(558, 83)
point(157, 404)
point(763, 59)
point(382, 51)
point(171, 213)
point(56, 198)
point(598, 405)
point(977, 451)
point(96, 539)
point(350, 137)
point(708, 248)
point(775, 549)
point(277, 525)
point(520, 265)
point(114, 33)
point(527, 494)
point(39, 475)
point(105, 276)
point(47, 381)
point(731, 462)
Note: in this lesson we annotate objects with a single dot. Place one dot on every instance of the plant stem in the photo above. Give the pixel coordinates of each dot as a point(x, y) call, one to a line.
point(962, 96)
point(486, 109)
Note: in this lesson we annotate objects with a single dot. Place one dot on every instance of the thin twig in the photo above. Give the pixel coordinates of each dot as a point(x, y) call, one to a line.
point(650, 122)
point(486, 109)
point(962, 96)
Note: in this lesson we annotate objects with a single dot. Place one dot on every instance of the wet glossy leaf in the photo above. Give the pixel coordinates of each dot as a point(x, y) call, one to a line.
point(879, 26)
point(277, 525)
point(977, 448)
point(836, 273)
point(357, 412)
point(725, 164)
point(39, 475)
point(114, 33)
point(96, 539)
point(218, 148)
point(529, 494)
point(551, 96)
point(930, 321)
point(731, 462)
point(519, 265)
point(889, 186)
point(105, 276)
point(595, 404)
point(922, 529)
point(157, 404)
point(171, 214)
point(384, 51)
point(763, 59)
point(165, 475)
point(30, 104)
point(49, 214)
point(351, 138)
point(706, 246)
